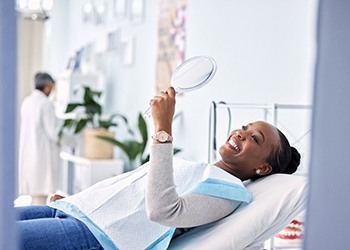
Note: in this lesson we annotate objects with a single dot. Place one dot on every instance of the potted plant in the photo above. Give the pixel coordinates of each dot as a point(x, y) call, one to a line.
point(134, 148)
point(92, 123)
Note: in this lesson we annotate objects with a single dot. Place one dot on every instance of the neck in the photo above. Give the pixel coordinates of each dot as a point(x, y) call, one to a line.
point(226, 168)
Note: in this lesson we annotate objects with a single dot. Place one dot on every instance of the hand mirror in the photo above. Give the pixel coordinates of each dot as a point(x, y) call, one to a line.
point(192, 74)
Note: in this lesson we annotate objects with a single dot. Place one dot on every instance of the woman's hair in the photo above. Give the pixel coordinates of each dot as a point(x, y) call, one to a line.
point(41, 79)
point(284, 159)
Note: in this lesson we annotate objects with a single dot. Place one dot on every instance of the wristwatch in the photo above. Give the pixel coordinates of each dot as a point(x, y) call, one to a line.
point(162, 136)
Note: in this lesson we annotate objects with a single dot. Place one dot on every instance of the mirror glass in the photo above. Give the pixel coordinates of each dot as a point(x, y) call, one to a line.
point(193, 73)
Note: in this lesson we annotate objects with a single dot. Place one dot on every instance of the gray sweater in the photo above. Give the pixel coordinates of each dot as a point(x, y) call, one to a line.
point(166, 207)
point(103, 209)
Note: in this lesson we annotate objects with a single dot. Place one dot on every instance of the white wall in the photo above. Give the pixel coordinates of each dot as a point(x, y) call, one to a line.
point(264, 49)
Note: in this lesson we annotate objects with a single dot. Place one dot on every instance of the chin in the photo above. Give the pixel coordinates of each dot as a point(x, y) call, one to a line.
point(224, 150)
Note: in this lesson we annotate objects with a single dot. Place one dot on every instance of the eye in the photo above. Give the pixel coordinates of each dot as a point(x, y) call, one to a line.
point(244, 127)
point(255, 139)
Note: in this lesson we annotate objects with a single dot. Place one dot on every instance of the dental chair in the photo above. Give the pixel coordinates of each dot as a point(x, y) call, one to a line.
point(277, 200)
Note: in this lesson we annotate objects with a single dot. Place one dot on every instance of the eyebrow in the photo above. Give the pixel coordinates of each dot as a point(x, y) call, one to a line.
point(259, 131)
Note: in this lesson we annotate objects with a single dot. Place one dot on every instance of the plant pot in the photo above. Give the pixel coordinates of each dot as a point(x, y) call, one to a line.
point(95, 148)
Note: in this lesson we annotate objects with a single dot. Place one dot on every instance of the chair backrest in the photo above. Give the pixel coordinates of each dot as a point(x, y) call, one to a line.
point(277, 199)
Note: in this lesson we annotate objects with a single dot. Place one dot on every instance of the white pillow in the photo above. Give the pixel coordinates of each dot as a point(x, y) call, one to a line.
point(277, 199)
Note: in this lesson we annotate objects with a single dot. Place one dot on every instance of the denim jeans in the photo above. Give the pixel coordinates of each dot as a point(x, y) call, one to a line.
point(43, 227)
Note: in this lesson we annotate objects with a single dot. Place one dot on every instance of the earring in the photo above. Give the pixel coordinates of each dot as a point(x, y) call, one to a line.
point(258, 171)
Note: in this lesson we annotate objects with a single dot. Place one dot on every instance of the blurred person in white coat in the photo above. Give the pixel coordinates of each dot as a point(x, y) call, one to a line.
point(38, 147)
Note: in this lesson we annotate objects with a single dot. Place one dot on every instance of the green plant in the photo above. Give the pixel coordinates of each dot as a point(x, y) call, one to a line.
point(134, 148)
point(92, 114)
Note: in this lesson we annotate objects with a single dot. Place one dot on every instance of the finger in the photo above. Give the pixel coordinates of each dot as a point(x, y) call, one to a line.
point(163, 93)
point(171, 92)
point(156, 98)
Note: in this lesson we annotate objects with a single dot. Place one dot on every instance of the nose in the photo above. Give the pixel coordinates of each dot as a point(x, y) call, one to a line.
point(240, 134)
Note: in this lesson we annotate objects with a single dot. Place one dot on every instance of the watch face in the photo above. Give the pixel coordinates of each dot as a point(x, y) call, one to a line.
point(162, 137)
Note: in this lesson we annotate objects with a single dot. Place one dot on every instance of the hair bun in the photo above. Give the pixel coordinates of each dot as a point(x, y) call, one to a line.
point(294, 161)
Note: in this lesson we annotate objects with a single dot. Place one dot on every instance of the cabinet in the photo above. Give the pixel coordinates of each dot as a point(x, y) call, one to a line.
point(79, 173)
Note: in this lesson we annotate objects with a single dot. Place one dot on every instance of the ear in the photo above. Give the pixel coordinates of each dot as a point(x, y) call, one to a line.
point(265, 169)
point(47, 89)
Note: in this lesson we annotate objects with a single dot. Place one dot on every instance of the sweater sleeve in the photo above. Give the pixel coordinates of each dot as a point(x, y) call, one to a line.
point(166, 207)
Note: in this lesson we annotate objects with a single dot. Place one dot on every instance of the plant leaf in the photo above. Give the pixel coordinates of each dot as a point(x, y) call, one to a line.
point(93, 108)
point(110, 123)
point(94, 93)
point(146, 159)
point(120, 116)
point(130, 147)
point(68, 123)
point(176, 150)
point(71, 106)
point(107, 124)
point(143, 131)
point(114, 142)
point(177, 115)
point(80, 125)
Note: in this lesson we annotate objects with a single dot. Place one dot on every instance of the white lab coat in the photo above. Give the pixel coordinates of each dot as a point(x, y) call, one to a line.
point(38, 149)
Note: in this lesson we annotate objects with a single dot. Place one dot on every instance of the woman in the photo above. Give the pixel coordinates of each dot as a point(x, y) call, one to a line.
point(146, 208)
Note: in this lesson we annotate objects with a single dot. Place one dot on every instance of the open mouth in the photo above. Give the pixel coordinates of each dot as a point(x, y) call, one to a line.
point(294, 231)
point(233, 143)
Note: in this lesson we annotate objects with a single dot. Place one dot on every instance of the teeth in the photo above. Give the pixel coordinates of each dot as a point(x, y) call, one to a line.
point(293, 231)
point(233, 144)
point(297, 226)
point(283, 234)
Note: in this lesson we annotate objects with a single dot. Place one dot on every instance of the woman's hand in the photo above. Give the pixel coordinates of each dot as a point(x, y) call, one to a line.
point(56, 197)
point(163, 109)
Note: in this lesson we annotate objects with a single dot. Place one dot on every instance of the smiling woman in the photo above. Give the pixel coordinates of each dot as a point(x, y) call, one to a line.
point(278, 57)
point(255, 149)
point(169, 195)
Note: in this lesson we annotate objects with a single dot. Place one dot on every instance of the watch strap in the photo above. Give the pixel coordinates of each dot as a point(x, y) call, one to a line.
point(162, 136)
